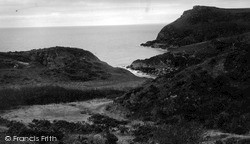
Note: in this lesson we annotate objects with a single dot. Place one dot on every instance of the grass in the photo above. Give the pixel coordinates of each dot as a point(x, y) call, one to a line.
point(11, 97)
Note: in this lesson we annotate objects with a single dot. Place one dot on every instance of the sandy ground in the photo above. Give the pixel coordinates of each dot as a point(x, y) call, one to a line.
point(74, 111)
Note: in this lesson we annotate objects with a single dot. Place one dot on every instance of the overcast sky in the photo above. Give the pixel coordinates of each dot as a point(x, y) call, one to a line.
point(40, 13)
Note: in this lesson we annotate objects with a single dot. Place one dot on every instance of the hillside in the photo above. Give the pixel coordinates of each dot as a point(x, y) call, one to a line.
point(203, 84)
point(59, 74)
point(182, 57)
point(56, 65)
point(210, 88)
point(202, 23)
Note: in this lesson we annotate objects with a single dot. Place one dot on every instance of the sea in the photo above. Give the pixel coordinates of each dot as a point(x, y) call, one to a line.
point(119, 46)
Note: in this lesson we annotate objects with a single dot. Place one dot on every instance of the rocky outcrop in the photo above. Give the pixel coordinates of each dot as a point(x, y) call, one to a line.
point(56, 64)
point(200, 24)
point(179, 58)
point(166, 63)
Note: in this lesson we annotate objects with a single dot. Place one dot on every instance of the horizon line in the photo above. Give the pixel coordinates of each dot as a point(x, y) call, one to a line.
point(85, 25)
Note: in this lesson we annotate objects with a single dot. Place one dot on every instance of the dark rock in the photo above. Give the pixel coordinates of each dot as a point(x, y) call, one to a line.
point(164, 64)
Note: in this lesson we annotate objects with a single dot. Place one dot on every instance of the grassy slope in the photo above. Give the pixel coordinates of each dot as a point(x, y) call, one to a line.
point(57, 65)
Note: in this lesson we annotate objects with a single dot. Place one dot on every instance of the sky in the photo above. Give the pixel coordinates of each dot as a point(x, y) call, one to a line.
point(49, 13)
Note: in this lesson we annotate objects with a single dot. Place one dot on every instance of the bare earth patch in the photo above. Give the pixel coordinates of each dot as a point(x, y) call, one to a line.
point(211, 136)
point(71, 112)
point(74, 111)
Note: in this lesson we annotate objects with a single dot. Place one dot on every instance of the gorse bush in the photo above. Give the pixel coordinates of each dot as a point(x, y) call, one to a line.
point(182, 133)
point(62, 130)
point(106, 122)
point(188, 133)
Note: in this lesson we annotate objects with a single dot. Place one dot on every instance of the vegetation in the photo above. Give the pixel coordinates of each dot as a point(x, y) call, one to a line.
point(105, 121)
point(11, 97)
point(212, 91)
point(188, 133)
point(200, 86)
point(62, 130)
point(101, 133)
point(57, 65)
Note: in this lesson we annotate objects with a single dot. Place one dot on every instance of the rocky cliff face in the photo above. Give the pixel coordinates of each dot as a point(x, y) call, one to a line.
point(201, 24)
point(56, 64)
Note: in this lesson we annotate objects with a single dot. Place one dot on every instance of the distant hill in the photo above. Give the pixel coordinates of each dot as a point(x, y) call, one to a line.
point(56, 64)
point(200, 24)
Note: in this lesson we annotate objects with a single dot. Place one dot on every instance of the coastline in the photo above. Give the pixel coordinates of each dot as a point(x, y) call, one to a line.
point(139, 73)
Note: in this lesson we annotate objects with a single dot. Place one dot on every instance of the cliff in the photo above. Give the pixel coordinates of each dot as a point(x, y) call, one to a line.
point(200, 24)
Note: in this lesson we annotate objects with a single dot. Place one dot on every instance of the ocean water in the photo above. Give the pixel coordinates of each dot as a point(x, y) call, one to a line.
point(119, 46)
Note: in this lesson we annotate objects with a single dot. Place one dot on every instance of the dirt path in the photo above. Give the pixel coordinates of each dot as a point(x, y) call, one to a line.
point(212, 136)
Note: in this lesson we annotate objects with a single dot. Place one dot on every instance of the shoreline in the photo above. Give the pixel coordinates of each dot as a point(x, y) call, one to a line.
point(139, 73)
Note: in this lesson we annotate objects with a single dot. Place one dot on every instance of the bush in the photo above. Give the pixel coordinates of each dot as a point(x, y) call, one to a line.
point(38, 129)
point(105, 121)
point(183, 133)
point(59, 129)
point(111, 138)
point(188, 133)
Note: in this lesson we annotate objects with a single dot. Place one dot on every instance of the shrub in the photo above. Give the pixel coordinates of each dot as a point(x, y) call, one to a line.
point(38, 129)
point(188, 133)
point(111, 138)
point(105, 121)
